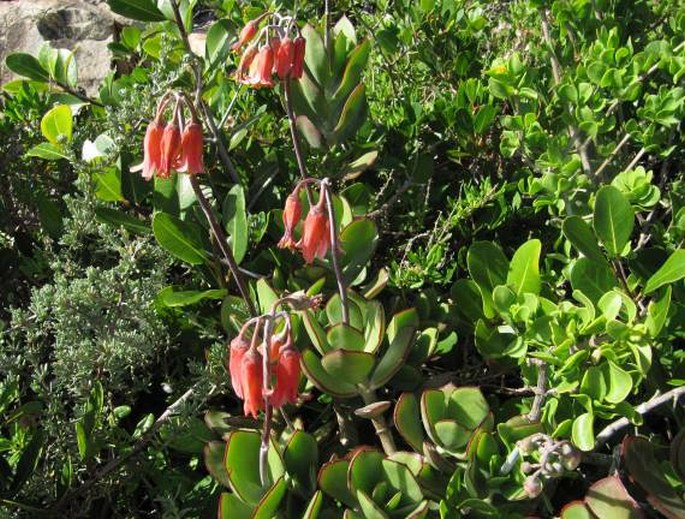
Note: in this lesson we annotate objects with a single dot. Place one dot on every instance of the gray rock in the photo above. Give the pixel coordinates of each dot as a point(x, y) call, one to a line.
point(86, 27)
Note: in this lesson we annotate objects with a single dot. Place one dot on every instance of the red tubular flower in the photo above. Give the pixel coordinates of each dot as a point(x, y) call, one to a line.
point(261, 67)
point(191, 149)
point(298, 57)
point(284, 58)
point(171, 150)
point(275, 44)
point(246, 34)
point(287, 376)
point(316, 236)
point(245, 63)
point(291, 217)
point(152, 151)
point(251, 380)
point(238, 348)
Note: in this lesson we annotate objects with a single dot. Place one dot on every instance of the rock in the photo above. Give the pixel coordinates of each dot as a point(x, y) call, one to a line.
point(86, 27)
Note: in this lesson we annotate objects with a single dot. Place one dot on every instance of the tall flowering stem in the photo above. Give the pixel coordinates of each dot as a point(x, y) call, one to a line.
point(222, 241)
point(299, 156)
point(336, 251)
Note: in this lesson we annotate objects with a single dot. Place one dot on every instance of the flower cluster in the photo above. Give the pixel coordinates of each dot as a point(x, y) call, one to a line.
point(316, 229)
point(278, 50)
point(247, 369)
point(173, 145)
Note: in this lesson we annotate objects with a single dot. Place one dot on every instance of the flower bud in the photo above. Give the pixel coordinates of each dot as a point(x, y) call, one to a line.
point(316, 236)
point(152, 149)
point(170, 148)
point(251, 379)
point(532, 486)
point(298, 57)
point(284, 58)
point(246, 34)
point(237, 350)
point(191, 149)
point(291, 217)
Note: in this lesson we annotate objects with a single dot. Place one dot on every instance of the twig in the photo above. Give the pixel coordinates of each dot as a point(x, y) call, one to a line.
point(220, 144)
point(556, 74)
point(379, 423)
point(335, 251)
point(540, 391)
point(78, 94)
point(223, 243)
point(392, 200)
point(637, 158)
point(613, 153)
point(113, 464)
point(613, 428)
point(296, 141)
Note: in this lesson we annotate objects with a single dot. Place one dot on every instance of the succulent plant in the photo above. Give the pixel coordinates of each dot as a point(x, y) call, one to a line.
point(330, 99)
point(370, 485)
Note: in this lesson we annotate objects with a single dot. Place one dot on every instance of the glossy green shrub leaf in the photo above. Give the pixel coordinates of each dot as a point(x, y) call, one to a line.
point(524, 269)
point(488, 267)
point(235, 216)
point(26, 65)
point(47, 151)
point(335, 315)
point(374, 328)
point(354, 367)
point(583, 433)
point(580, 234)
point(353, 70)
point(657, 313)
point(407, 418)
point(181, 239)
point(56, 125)
point(592, 278)
point(314, 506)
point(671, 271)
point(613, 219)
point(173, 297)
point(620, 383)
point(370, 510)
point(141, 10)
point(218, 44)
point(311, 365)
point(352, 115)
point(315, 57)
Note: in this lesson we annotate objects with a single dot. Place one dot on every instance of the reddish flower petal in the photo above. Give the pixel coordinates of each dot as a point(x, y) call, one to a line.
point(238, 348)
point(191, 146)
point(171, 149)
point(291, 217)
point(287, 377)
point(284, 58)
point(251, 382)
point(315, 234)
point(298, 57)
point(246, 34)
point(152, 152)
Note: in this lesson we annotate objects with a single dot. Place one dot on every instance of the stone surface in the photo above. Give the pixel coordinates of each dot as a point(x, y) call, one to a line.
point(85, 27)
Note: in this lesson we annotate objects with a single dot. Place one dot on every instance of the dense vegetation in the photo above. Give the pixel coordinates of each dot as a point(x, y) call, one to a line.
point(498, 331)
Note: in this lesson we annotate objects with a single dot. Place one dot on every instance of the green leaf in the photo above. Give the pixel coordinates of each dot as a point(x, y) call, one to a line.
point(314, 506)
point(118, 218)
point(218, 44)
point(580, 234)
point(355, 66)
point(181, 239)
point(613, 219)
point(369, 508)
point(269, 504)
point(235, 216)
point(394, 357)
point(671, 271)
point(592, 278)
point(353, 367)
point(583, 433)
point(301, 458)
point(30, 457)
point(311, 365)
point(352, 116)
point(333, 480)
point(407, 420)
point(214, 453)
point(620, 384)
point(27, 66)
point(177, 297)
point(576, 510)
point(358, 241)
point(47, 151)
point(609, 498)
point(231, 507)
point(315, 57)
point(108, 186)
point(657, 313)
point(524, 269)
point(141, 10)
point(345, 337)
point(57, 124)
